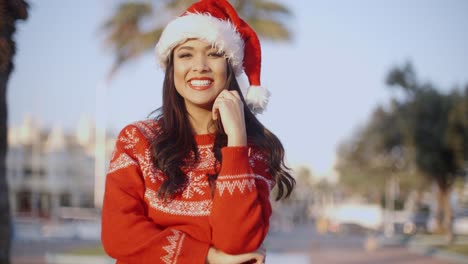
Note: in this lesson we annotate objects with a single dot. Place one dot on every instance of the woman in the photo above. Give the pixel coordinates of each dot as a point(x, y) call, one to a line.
point(192, 186)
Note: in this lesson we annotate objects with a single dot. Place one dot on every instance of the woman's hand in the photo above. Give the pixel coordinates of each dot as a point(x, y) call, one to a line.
point(229, 107)
point(218, 257)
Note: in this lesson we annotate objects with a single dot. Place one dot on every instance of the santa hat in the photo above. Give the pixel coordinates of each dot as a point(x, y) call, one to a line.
point(218, 23)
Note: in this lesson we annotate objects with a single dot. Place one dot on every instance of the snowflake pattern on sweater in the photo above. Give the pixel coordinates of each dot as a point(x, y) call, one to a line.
point(173, 248)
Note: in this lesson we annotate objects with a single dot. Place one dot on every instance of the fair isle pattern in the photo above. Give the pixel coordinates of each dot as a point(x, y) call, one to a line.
point(233, 182)
point(130, 139)
point(196, 185)
point(206, 156)
point(123, 161)
point(147, 128)
point(147, 167)
point(256, 156)
point(176, 207)
point(173, 249)
point(269, 183)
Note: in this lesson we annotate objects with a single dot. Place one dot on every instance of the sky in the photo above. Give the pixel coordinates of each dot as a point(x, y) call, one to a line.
point(325, 83)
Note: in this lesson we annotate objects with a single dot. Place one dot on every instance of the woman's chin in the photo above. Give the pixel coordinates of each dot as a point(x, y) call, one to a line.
point(206, 105)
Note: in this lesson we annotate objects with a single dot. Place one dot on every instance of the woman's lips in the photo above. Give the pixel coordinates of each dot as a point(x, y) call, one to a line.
point(200, 83)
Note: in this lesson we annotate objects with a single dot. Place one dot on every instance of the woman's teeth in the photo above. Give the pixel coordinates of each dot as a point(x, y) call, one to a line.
point(200, 82)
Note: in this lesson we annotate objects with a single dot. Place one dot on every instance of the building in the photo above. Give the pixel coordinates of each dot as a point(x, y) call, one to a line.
point(50, 170)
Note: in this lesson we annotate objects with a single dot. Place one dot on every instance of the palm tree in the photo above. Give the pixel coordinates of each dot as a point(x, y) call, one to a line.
point(135, 27)
point(10, 11)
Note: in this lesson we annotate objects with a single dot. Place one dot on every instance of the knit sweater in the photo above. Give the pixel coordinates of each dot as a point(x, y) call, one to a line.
point(139, 227)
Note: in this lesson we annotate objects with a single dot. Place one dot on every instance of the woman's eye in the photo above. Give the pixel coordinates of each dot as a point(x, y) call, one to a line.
point(216, 54)
point(184, 55)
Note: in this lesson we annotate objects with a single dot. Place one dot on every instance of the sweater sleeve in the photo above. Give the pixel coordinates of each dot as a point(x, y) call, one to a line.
point(241, 207)
point(128, 235)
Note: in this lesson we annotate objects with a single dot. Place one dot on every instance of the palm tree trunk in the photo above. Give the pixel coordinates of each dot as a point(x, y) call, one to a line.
point(10, 12)
point(444, 212)
point(5, 221)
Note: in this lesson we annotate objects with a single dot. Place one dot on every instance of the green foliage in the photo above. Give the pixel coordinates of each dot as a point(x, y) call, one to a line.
point(265, 17)
point(460, 249)
point(398, 204)
point(423, 133)
point(457, 132)
point(435, 127)
point(375, 153)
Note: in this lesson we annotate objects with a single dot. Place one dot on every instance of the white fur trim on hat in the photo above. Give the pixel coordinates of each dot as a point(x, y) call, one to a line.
point(222, 34)
point(257, 98)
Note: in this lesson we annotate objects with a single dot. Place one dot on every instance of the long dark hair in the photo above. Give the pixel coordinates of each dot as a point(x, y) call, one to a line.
point(175, 140)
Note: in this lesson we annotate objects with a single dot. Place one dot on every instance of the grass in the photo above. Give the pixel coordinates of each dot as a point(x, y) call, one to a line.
point(98, 250)
point(459, 249)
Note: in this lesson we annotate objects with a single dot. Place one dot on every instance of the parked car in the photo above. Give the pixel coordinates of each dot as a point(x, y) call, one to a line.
point(417, 222)
point(354, 218)
point(460, 222)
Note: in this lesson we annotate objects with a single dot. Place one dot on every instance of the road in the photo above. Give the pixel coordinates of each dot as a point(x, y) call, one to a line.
point(340, 249)
point(302, 245)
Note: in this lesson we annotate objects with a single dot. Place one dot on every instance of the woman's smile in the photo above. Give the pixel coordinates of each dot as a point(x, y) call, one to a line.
point(200, 84)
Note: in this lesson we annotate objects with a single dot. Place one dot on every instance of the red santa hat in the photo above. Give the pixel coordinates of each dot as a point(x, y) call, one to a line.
point(217, 22)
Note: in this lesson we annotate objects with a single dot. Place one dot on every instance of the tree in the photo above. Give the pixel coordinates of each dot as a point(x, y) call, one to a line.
point(423, 133)
point(135, 27)
point(375, 154)
point(436, 128)
point(457, 136)
point(10, 12)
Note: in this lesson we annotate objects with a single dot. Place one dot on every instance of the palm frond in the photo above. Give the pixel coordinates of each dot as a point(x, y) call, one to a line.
point(271, 7)
point(270, 29)
point(180, 4)
point(265, 17)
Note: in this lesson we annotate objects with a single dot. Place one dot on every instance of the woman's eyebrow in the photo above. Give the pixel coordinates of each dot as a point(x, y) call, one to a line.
point(185, 47)
point(207, 47)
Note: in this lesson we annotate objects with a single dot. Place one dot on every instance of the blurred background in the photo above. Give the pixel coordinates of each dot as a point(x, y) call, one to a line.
point(370, 99)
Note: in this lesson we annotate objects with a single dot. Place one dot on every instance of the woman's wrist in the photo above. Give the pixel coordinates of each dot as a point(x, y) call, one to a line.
point(237, 140)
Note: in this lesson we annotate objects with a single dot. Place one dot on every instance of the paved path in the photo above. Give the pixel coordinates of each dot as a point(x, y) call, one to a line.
point(299, 246)
point(381, 256)
point(340, 249)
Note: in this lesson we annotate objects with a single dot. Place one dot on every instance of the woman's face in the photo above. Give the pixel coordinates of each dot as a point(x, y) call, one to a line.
point(200, 73)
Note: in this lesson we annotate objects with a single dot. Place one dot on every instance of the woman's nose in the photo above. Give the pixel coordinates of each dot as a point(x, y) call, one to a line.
point(200, 64)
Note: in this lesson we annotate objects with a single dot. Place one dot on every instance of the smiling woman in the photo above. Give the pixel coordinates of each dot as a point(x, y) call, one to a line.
point(193, 184)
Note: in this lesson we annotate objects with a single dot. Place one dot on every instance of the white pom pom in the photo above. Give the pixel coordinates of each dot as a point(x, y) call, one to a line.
point(257, 98)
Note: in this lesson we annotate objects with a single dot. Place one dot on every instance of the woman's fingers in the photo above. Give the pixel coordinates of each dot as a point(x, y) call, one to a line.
point(221, 100)
point(249, 258)
point(236, 94)
point(216, 105)
point(258, 257)
point(215, 110)
point(233, 95)
point(216, 256)
point(229, 108)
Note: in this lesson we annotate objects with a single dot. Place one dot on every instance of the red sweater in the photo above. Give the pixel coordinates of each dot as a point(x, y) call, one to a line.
point(138, 227)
